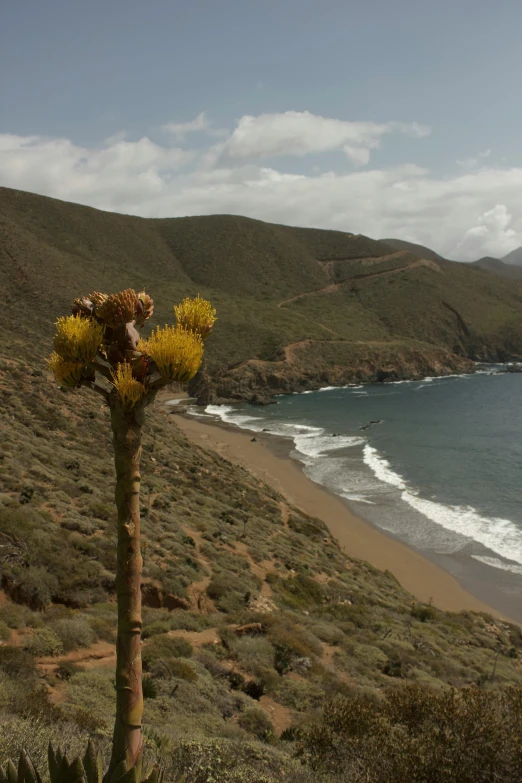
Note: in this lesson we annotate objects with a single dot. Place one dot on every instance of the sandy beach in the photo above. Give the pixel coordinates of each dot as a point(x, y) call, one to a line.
point(266, 458)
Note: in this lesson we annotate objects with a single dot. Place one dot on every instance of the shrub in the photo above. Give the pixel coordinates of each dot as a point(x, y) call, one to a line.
point(43, 641)
point(301, 591)
point(17, 663)
point(5, 631)
point(255, 653)
point(67, 669)
point(183, 670)
point(255, 689)
point(423, 612)
point(418, 735)
point(258, 723)
point(328, 632)
point(14, 615)
point(163, 650)
point(33, 586)
point(73, 632)
point(153, 629)
point(229, 592)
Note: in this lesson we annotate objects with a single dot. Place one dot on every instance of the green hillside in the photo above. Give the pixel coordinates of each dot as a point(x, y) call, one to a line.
point(254, 618)
point(279, 291)
point(498, 267)
point(419, 250)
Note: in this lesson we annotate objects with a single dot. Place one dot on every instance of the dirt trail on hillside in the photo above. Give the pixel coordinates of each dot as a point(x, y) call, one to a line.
point(332, 288)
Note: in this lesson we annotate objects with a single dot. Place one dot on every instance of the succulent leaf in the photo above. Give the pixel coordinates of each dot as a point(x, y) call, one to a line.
point(118, 772)
point(11, 772)
point(92, 764)
point(86, 770)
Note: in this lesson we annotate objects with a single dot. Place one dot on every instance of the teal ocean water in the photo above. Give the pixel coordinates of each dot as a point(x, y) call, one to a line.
point(437, 463)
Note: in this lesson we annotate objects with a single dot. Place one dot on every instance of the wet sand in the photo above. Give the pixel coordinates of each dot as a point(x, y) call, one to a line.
point(267, 457)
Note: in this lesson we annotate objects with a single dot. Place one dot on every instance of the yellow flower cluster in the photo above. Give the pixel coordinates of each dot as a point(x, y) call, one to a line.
point(195, 315)
point(130, 391)
point(66, 373)
point(77, 339)
point(176, 351)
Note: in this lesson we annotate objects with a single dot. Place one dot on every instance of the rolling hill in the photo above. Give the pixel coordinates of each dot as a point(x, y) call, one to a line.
point(418, 250)
point(298, 308)
point(253, 616)
point(515, 257)
point(498, 267)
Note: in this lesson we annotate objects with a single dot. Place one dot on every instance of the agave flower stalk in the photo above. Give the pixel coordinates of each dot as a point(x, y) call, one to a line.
point(99, 347)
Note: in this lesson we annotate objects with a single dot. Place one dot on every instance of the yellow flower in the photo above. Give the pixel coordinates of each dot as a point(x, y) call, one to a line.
point(177, 352)
point(130, 391)
point(66, 373)
point(77, 339)
point(196, 315)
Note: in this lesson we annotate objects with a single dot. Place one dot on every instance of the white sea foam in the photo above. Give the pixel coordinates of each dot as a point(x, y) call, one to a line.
point(357, 498)
point(314, 447)
point(230, 415)
point(382, 468)
point(495, 563)
point(499, 535)
point(319, 443)
point(329, 388)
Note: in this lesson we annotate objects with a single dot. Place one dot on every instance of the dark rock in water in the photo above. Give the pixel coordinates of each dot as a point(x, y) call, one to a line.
point(253, 440)
point(365, 427)
point(376, 421)
point(265, 430)
point(261, 399)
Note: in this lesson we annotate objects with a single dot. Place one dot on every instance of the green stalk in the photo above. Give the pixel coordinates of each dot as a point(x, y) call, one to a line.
point(127, 739)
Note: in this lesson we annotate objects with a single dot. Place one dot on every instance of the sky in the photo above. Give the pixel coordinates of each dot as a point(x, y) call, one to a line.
point(391, 118)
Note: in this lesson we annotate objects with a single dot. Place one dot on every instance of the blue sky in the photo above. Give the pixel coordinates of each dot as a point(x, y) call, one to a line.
point(393, 118)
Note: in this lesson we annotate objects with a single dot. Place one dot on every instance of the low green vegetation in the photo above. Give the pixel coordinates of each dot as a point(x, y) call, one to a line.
point(373, 308)
point(268, 621)
point(269, 654)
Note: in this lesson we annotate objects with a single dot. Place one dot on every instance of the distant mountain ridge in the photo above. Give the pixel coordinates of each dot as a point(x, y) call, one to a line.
point(499, 267)
point(298, 308)
point(515, 257)
point(505, 267)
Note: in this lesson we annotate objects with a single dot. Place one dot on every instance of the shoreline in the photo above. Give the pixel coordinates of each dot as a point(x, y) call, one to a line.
point(268, 458)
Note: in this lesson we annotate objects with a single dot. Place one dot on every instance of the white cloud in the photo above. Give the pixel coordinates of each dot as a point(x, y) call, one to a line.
point(475, 213)
point(301, 133)
point(179, 130)
point(491, 235)
point(471, 163)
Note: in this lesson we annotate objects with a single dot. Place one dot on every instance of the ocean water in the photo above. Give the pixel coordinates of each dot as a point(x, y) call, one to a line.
point(437, 463)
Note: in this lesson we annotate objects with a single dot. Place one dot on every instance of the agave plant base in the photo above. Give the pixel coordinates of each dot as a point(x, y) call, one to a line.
point(88, 769)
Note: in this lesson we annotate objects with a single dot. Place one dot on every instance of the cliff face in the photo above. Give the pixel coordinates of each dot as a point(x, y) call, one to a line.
point(297, 308)
point(257, 381)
